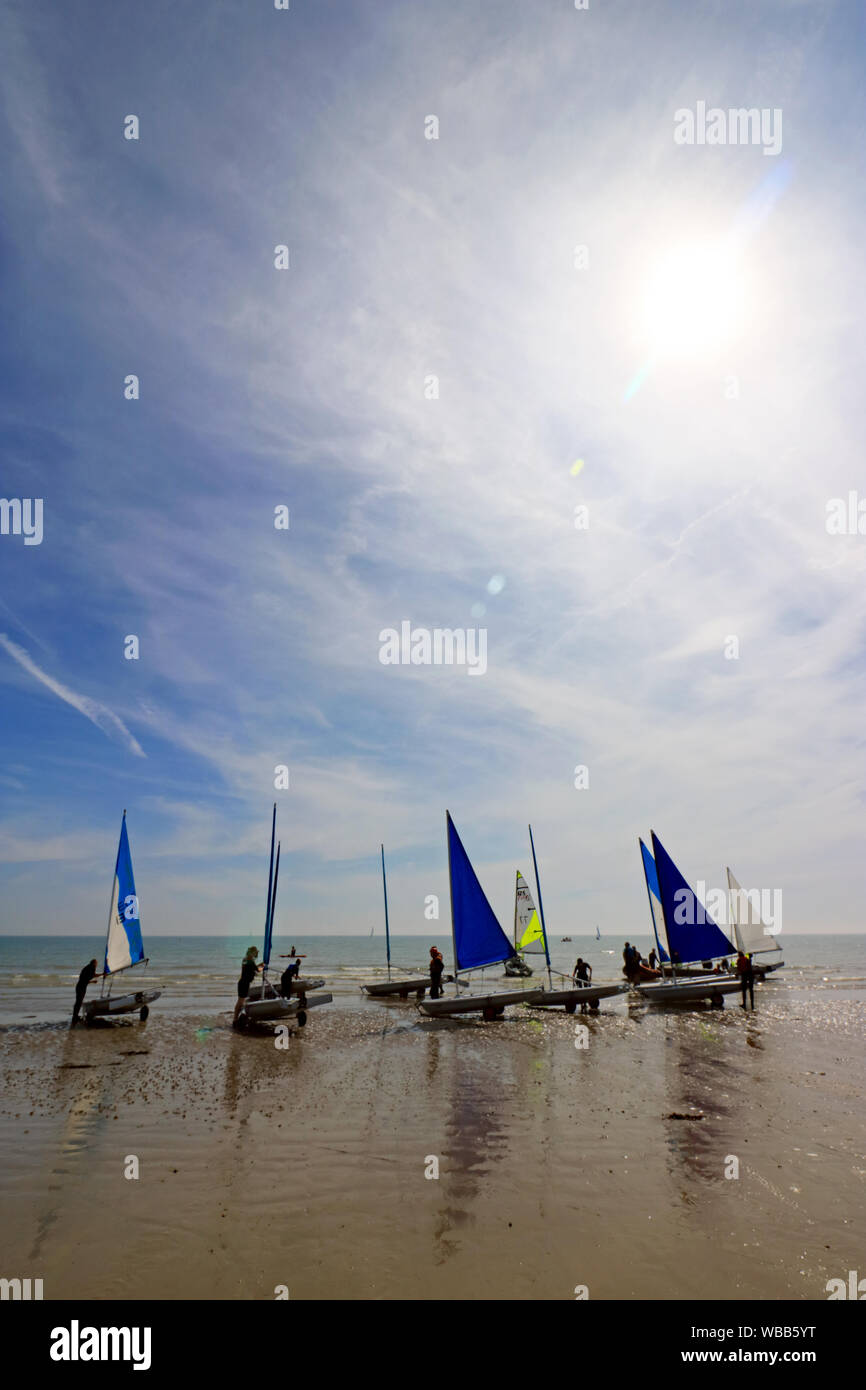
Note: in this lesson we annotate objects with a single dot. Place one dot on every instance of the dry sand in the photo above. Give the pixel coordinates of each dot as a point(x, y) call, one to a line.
point(558, 1166)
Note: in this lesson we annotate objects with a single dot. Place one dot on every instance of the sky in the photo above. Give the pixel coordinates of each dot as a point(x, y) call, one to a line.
point(666, 335)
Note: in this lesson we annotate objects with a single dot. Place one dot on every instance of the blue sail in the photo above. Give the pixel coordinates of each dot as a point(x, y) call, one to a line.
point(690, 932)
point(652, 883)
point(268, 912)
point(269, 929)
point(478, 938)
point(123, 942)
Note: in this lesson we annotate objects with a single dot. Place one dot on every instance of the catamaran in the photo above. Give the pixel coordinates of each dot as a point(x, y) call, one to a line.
point(574, 995)
point(265, 1004)
point(477, 938)
point(749, 931)
point(123, 945)
point(402, 988)
point(687, 942)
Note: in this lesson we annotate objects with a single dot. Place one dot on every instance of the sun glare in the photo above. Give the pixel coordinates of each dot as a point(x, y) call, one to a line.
point(694, 302)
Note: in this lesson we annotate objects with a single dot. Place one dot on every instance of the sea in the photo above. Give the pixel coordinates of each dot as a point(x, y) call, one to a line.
point(198, 974)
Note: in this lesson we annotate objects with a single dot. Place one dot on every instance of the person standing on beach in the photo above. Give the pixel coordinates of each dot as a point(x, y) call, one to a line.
point(747, 979)
point(652, 958)
point(88, 973)
point(437, 965)
point(582, 971)
point(249, 970)
point(582, 976)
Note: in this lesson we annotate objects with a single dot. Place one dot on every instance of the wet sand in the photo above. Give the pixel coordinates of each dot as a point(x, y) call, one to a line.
point(558, 1166)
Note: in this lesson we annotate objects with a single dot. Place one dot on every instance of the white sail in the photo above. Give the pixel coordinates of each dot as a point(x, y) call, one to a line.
point(528, 934)
point(751, 934)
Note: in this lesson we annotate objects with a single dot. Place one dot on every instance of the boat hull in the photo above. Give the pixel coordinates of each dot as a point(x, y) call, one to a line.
point(402, 988)
point(689, 990)
point(266, 1010)
point(123, 1004)
point(299, 986)
point(762, 970)
point(570, 998)
point(489, 1004)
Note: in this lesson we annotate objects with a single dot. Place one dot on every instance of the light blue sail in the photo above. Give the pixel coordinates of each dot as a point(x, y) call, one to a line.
point(478, 938)
point(655, 900)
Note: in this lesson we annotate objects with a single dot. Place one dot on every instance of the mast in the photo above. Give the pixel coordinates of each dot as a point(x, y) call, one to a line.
point(738, 940)
point(387, 931)
point(270, 930)
point(270, 882)
point(516, 881)
point(540, 908)
point(451, 897)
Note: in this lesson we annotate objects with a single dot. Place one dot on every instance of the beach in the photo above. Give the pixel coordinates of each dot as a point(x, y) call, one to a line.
point(561, 1167)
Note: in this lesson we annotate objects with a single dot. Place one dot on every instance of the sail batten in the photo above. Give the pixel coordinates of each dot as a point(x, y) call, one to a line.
point(478, 938)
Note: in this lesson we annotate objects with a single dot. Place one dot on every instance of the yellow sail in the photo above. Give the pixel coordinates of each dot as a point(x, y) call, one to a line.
point(527, 921)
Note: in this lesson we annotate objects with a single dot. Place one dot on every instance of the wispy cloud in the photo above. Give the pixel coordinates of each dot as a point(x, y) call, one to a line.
point(98, 714)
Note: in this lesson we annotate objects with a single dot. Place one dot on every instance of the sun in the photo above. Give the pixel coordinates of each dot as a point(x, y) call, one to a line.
point(694, 302)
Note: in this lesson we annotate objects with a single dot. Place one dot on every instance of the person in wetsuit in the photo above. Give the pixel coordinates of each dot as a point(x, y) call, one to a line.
point(582, 975)
point(437, 965)
point(249, 970)
point(88, 973)
point(288, 977)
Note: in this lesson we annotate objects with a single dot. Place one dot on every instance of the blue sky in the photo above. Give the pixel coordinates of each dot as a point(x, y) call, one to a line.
point(412, 257)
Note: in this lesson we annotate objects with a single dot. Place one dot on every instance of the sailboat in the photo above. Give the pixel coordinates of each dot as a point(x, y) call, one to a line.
point(597, 934)
point(686, 942)
point(576, 994)
point(750, 934)
point(402, 988)
point(528, 936)
point(264, 1004)
point(478, 940)
point(123, 945)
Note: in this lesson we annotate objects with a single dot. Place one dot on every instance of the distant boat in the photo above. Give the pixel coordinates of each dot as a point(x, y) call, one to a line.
point(687, 943)
point(402, 988)
point(372, 929)
point(565, 938)
point(265, 1004)
point(123, 945)
point(597, 934)
point(477, 937)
